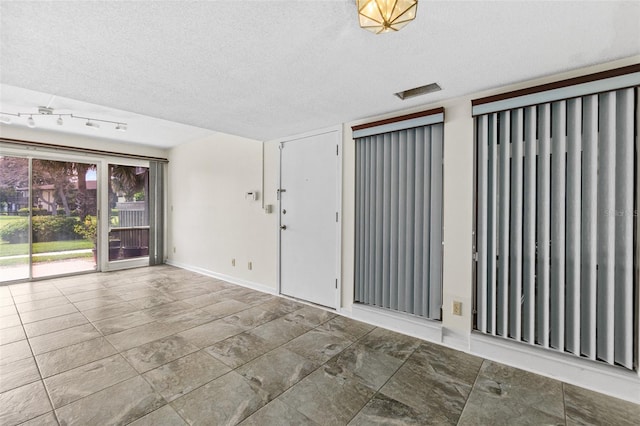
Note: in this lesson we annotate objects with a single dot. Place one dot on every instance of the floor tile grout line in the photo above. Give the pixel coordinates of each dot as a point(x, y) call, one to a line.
point(475, 381)
point(564, 403)
point(249, 307)
point(386, 381)
point(283, 344)
point(236, 368)
point(353, 342)
point(44, 385)
point(278, 347)
point(199, 349)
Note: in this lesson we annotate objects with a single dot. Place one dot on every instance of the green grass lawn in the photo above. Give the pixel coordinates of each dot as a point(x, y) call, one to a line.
point(7, 249)
point(42, 259)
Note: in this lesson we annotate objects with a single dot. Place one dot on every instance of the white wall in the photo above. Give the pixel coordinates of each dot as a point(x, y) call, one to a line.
point(210, 221)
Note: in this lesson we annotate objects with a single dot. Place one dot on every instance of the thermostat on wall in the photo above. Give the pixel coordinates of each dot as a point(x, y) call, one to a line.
point(251, 195)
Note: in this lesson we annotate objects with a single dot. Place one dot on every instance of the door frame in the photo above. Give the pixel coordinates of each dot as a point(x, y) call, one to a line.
point(339, 159)
point(116, 265)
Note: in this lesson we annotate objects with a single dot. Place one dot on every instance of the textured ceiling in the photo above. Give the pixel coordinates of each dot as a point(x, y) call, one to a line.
point(268, 69)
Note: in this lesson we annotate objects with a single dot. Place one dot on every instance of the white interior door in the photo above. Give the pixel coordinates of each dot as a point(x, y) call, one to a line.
point(309, 228)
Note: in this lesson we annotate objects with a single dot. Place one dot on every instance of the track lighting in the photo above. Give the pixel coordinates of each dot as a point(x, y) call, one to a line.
point(5, 118)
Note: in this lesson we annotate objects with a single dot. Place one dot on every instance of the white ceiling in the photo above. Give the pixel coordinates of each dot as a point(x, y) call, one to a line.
point(268, 69)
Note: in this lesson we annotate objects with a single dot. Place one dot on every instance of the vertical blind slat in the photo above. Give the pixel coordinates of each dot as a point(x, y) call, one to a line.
point(515, 264)
point(558, 221)
point(573, 227)
point(418, 196)
point(365, 219)
point(492, 243)
point(357, 248)
point(371, 264)
point(588, 275)
point(544, 223)
point(410, 234)
point(379, 210)
point(386, 214)
point(606, 227)
point(481, 271)
point(435, 287)
point(529, 227)
point(426, 214)
point(402, 224)
point(623, 349)
point(395, 223)
point(503, 232)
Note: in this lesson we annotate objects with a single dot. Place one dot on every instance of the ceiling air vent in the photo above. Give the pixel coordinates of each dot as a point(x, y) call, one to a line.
point(417, 91)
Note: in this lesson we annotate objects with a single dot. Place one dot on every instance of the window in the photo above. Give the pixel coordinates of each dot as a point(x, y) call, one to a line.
point(556, 220)
point(399, 214)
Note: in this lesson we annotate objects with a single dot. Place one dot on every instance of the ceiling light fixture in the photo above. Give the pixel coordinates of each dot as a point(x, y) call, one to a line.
point(383, 16)
point(5, 118)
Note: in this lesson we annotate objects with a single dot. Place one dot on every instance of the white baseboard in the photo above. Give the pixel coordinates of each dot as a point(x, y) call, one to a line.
point(228, 278)
point(598, 377)
point(406, 324)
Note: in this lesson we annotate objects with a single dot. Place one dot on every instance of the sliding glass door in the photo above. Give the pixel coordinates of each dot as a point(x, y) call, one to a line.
point(14, 218)
point(48, 217)
point(63, 218)
point(128, 198)
point(63, 213)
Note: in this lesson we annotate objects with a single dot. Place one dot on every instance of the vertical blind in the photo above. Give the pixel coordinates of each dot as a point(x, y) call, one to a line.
point(399, 220)
point(555, 225)
point(156, 212)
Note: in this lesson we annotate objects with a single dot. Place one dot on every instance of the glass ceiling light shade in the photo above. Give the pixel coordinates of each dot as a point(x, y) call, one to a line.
point(383, 16)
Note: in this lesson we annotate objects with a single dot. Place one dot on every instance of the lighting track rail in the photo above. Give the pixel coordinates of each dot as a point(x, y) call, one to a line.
point(5, 118)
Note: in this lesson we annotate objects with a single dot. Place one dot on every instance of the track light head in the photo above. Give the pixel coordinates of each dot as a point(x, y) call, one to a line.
point(92, 124)
point(59, 121)
point(5, 119)
point(121, 127)
point(31, 122)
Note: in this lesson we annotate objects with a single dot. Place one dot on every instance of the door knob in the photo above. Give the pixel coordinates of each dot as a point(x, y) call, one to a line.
point(283, 227)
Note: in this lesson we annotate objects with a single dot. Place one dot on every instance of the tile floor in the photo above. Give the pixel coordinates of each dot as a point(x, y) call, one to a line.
point(164, 346)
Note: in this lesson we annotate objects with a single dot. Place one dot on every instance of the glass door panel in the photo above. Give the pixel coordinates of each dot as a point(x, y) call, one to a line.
point(64, 217)
point(129, 212)
point(14, 218)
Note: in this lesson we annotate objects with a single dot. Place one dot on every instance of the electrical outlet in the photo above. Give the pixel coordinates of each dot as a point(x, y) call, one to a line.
point(457, 308)
point(250, 266)
point(233, 262)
